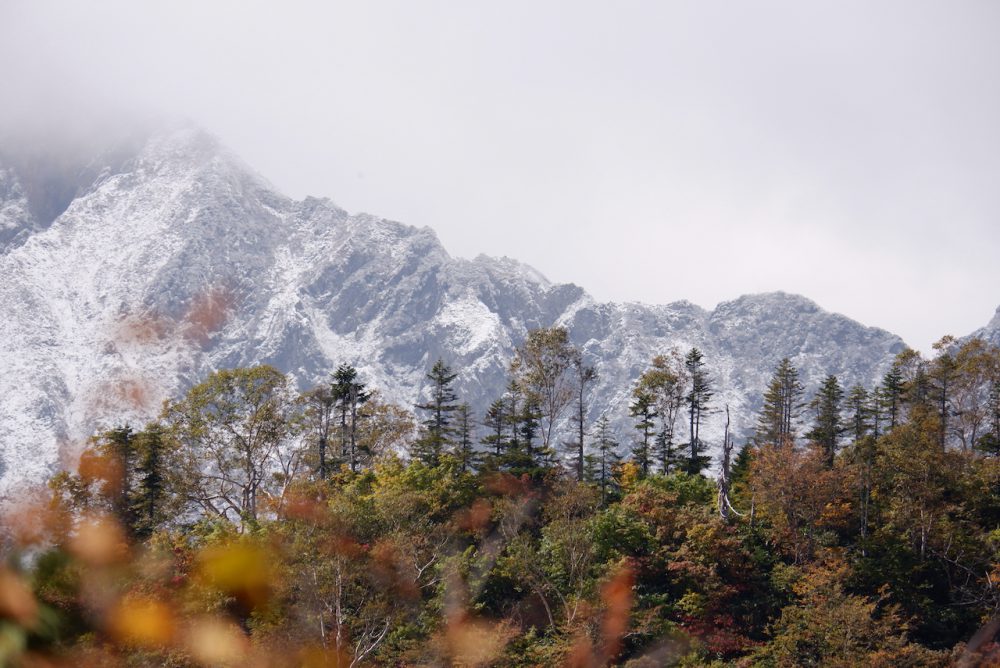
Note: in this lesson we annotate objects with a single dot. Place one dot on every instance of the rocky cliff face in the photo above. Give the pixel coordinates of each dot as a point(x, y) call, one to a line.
point(991, 332)
point(160, 265)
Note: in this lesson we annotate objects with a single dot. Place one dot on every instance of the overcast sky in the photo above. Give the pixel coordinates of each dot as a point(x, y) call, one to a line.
point(650, 151)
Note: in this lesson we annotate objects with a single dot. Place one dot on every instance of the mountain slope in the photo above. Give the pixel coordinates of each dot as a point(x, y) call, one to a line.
point(178, 259)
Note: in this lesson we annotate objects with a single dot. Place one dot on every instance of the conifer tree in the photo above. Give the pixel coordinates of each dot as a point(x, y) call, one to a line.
point(828, 426)
point(529, 428)
point(604, 460)
point(149, 499)
point(940, 381)
point(889, 396)
point(349, 394)
point(859, 404)
point(697, 400)
point(584, 376)
point(119, 446)
point(463, 437)
point(495, 422)
point(642, 410)
point(989, 442)
point(514, 399)
point(438, 429)
point(994, 409)
point(783, 405)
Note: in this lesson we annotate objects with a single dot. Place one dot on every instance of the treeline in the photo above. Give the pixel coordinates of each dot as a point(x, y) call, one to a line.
point(250, 523)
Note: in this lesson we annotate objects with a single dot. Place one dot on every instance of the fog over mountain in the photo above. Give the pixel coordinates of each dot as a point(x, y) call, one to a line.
point(133, 272)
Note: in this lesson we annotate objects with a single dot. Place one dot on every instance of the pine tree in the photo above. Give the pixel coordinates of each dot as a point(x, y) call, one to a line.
point(148, 501)
point(529, 428)
point(642, 410)
point(118, 445)
point(889, 396)
point(994, 409)
point(989, 443)
point(940, 381)
point(783, 405)
point(464, 451)
point(348, 394)
point(828, 426)
point(697, 401)
point(584, 376)
point(859, 403)
point(495, 422)
point(438, 429)
point(602, 464)
point(514, 398)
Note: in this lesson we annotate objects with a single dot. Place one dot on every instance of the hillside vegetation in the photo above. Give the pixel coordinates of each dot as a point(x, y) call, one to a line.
point(252, 525)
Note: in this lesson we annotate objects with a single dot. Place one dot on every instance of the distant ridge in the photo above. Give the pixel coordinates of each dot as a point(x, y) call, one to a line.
point(177, 259)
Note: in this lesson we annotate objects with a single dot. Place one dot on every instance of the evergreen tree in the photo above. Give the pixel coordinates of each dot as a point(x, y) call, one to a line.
point(495, 422)
point(463, 437)
point(118, 445)
point(989, 443)
point(349, 394)
point(514, 399)
point(783, 405)
point(942, 373)
point(994, 409)
point(828, 426)
point(438, 429)
point(529, 427)
point(602, 463)
point(859, 404)
point(642, 410)
point(584, 376)
point(697, 400)
point(149, 499)
point(889, 396)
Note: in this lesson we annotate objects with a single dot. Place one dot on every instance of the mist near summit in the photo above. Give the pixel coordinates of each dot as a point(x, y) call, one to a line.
point(646, 151)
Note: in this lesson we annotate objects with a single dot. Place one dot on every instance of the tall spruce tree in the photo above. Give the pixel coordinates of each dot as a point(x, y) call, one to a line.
point(697, 400)
point(495, 439)
point(778, 420)
point(602, 462)
point(828, 425)
point(644, 413)
point(940, 379)
point(989, 443)
point(889, 396)
point(583, 376)
point(149, 496)
point(859, 405)
point(349, 394)
point(464, 450)
point(438, 427)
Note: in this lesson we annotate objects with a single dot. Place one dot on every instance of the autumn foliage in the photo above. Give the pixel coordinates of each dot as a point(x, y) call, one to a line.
point(214, 537)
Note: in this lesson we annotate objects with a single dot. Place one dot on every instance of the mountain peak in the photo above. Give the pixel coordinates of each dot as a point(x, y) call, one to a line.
point(175, 259)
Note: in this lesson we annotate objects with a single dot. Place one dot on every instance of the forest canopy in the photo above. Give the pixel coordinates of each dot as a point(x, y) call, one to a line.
point(253, 524)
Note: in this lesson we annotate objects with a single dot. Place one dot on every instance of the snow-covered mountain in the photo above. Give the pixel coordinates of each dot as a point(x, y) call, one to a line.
point(991, 332)
point(131, 276)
